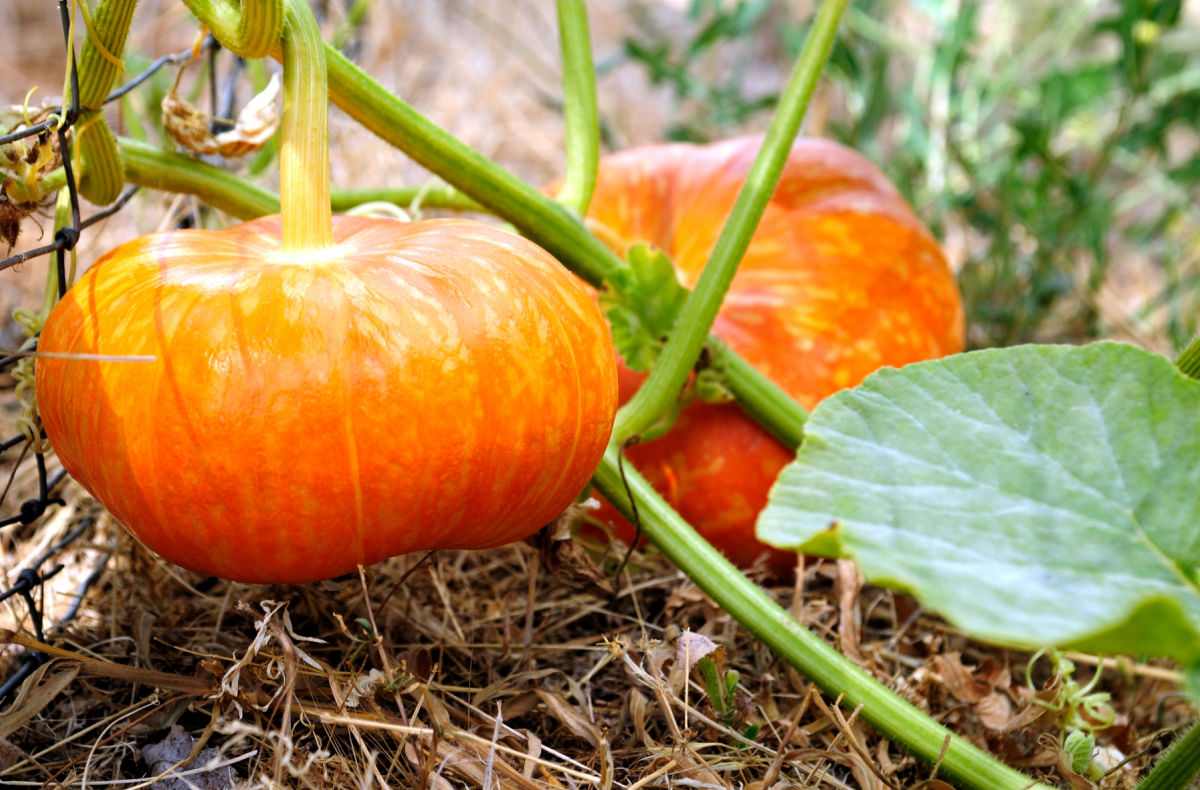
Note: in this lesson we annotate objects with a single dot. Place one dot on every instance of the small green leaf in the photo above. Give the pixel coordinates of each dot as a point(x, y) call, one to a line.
point(641, 304)
point(710, 387)
point(1079, 746)
point(732, 678)
point(712, 684)
point(1035, 496)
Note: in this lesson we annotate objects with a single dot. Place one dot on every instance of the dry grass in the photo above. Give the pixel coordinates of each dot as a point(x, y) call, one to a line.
point(511, 668)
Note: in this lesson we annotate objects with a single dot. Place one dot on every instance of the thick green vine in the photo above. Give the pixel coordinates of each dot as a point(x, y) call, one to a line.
point(1178, 767)
point(661, 389)
point(579, 104)
point(801, 648)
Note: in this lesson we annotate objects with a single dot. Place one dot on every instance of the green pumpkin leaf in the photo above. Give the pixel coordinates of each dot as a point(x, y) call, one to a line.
point(641, 303)
point(1035, 496)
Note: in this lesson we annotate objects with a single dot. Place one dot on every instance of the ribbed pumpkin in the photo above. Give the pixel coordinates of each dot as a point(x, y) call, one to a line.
point(436, 384)
point(840, 279)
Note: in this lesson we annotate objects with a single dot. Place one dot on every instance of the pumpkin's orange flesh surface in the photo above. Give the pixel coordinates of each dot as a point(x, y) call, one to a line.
point(840, 279)
point(440, 384)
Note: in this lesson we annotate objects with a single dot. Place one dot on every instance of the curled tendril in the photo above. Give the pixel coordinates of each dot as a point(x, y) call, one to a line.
point(1078, 706)
point(380, 208)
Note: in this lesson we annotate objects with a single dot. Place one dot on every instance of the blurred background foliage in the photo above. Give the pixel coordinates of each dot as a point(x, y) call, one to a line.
point(1052, 146)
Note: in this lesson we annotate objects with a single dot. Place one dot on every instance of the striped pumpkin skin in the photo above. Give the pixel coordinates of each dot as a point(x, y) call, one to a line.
point(427, 385)
point(839, 280)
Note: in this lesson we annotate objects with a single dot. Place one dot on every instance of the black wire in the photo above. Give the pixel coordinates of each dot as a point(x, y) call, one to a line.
point(213, 98)
point(73, 112)
point(223, 115)
point(31, 578)
point(13, 359)
point(30, 660)
point(28, 131)
point(43, 480)
point(67, 238)
point(61, 122)
point(21, 257)
point(112, 208)
point(151, 70)
point(60, 270)
point(56, 478)
point(637, 523)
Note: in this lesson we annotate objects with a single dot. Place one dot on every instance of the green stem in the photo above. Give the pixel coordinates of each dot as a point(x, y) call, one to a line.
point(154, 168)
point(762, 398)
point(250, 29)
point(98, 160)
point(579, 106)
point(1189, 361)
point(435, 196)
point(533, 214)
point(99, 68)
point(1177, 768)
point(150, 167)
point(62, 219)
point(304, 133)
point(758, 612)
point(101, 62)
point(660, 390)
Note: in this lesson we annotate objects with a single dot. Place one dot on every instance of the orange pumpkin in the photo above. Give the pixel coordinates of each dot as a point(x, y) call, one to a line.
point(439, 384)
point(840, 279)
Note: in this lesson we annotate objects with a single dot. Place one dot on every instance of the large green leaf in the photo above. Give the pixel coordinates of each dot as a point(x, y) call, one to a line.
point(1035, 496)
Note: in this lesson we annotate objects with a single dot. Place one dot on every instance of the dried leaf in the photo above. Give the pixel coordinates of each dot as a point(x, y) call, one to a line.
point(364, 687)
point(10, 754)
point(639, 711)
point(848, 585)
point(571, 718)
point(36, 693)
point(191, 128)
point(995, 712)
point(10, 220)
point(957, 679)
point(691, 647)
point(534, 750)
point(566, 559)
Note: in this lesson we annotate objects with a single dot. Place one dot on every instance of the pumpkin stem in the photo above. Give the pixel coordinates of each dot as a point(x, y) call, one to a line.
point(579, 101)
point(304, 133)
point(101, 63)
point(250, 28)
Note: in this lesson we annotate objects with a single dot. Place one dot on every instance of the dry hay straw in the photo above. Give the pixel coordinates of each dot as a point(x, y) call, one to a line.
point(509, 668)
point(517, 667)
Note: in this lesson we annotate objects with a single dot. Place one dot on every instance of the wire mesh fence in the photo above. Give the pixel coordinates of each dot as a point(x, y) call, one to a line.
point(58, 123)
